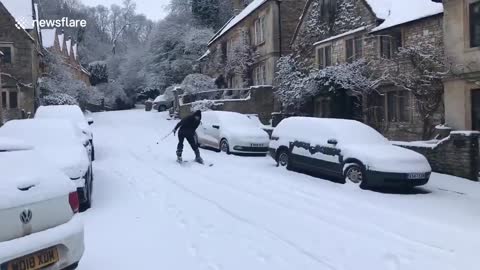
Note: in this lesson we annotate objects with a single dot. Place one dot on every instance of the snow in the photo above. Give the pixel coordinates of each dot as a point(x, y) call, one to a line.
point(48, 37)
point(404, 11)
point(68, 112)
point(10, 144)
point(465, 132)
point(245, 213)
point(351, 32)
point(61, 37)
point(22, 11)
point(69, 44)
point(59, 141)
point(160, 98)
point(252, 7)
point(207, 53)
point(75, 50)
point(48, 181)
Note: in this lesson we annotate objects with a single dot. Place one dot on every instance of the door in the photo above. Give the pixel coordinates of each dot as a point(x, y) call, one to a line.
point(214, 131)
point(476, 109)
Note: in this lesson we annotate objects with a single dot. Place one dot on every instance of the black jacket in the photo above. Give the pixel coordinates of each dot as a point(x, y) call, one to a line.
point(189, 124)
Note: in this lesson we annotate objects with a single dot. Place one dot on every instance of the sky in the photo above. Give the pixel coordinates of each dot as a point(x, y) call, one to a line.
point(153, 9)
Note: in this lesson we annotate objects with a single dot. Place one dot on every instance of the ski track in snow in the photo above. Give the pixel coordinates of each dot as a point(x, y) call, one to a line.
point(244, 213)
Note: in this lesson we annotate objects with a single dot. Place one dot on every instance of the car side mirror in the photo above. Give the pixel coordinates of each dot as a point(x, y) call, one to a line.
point(216, 126)
point(90, 121)
point(332, 142)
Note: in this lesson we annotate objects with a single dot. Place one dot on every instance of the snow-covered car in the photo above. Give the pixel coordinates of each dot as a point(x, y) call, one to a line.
point(162, 103)
point(232, 132)
point(40, 228)
point(72, 113)
point(346, 149)
point(61, 143)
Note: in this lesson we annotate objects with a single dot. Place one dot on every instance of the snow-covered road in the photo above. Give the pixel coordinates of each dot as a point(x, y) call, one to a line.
point(244, 213)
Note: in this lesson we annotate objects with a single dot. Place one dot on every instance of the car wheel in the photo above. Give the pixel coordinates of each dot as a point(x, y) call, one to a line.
point(224, 147)
point(283, 158)
point(162, 108)
point(354, 173)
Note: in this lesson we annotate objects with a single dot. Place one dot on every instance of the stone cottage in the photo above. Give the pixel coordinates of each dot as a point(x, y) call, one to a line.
point(334, 32)
point(462, 47)
point(54, 41)
point(245, 51)
point(19, 42)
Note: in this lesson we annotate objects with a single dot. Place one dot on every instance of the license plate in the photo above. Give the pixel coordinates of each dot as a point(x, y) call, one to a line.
point(414, 176)
point(256, 145)
point(35, 261)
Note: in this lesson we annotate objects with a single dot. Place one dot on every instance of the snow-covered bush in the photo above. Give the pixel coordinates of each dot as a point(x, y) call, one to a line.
point(195, 83)
point(203, 105)
point(59, 99)
point(99, 72)
point(115, 96)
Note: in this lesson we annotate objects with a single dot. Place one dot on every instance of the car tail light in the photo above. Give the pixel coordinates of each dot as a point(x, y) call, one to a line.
point(74, 202)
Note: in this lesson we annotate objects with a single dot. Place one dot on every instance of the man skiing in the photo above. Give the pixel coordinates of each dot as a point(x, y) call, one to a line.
point(186, 130)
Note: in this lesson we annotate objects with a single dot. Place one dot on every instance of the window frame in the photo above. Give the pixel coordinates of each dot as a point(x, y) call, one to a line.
point(469, 24)
point(354, 57)
point(398, 112)
point(260, 75)
point(394, 44)
point(259, 30)
point(6, 104)
point(12, 52)
point(321, 54)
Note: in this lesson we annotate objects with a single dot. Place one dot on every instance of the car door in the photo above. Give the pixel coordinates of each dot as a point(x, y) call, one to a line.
point(202, 131)
point(214, 132)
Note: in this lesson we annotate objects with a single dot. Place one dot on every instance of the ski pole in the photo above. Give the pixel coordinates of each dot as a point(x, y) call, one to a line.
point(166, 136)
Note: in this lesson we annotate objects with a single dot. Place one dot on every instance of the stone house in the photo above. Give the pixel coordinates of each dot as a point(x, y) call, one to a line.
point(339, 31)
point(462, 47)
point(54, 41)
point(244, 52)
point(19, 42)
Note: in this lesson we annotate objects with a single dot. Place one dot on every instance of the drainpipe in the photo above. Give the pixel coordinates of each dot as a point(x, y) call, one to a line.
point(280, 26)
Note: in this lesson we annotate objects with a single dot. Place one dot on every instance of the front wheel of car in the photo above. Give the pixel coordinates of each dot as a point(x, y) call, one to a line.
point(355, 174)
point(162, 108)
point(224, 146)
point(283, 158)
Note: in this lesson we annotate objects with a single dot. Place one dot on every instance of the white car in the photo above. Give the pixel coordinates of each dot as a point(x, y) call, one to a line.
point(40, 228)
point(232, 132)
point(348, 150)
point(72, 113)
point(62, 144)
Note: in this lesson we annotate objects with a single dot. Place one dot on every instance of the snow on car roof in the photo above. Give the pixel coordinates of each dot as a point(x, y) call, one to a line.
point(22, 11)
point(11, 144)
point(396, 12)
point(160, 98)
point(47, 181)
point(69, 112)
point(232, 118)
point(343, 130)
point(41, 132)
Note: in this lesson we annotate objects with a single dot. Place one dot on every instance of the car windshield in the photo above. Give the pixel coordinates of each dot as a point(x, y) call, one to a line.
point(72, 113)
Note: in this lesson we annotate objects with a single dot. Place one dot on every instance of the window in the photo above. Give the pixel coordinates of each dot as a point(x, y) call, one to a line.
point(260, 30)
point(398, 106)
point(4, 100)
point(10, 99)
point(390, 44)
point(260, 75)
point(7, 54)
point(13, 100)
point(324, 56)
point(354, 48)
point(475, 24)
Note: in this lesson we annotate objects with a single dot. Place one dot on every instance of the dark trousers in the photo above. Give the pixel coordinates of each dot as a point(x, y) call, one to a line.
point(191, 139)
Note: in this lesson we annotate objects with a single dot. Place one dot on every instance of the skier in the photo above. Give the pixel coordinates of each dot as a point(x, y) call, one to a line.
point(186, 130)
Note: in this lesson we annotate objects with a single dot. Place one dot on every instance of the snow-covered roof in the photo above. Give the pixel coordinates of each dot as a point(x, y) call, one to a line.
point(252, 7)
point(351, 32)
point(207, 53)
point(75, 50)
point(396, 12)
point(48, 37)
point(22, 11)
point(60, 40)
point(68, 44)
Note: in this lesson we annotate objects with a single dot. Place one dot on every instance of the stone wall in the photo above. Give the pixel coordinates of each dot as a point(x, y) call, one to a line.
point(260, 102)
point(456, 155)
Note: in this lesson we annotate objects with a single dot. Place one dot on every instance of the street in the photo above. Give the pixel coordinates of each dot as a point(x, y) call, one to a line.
point(244, 213)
